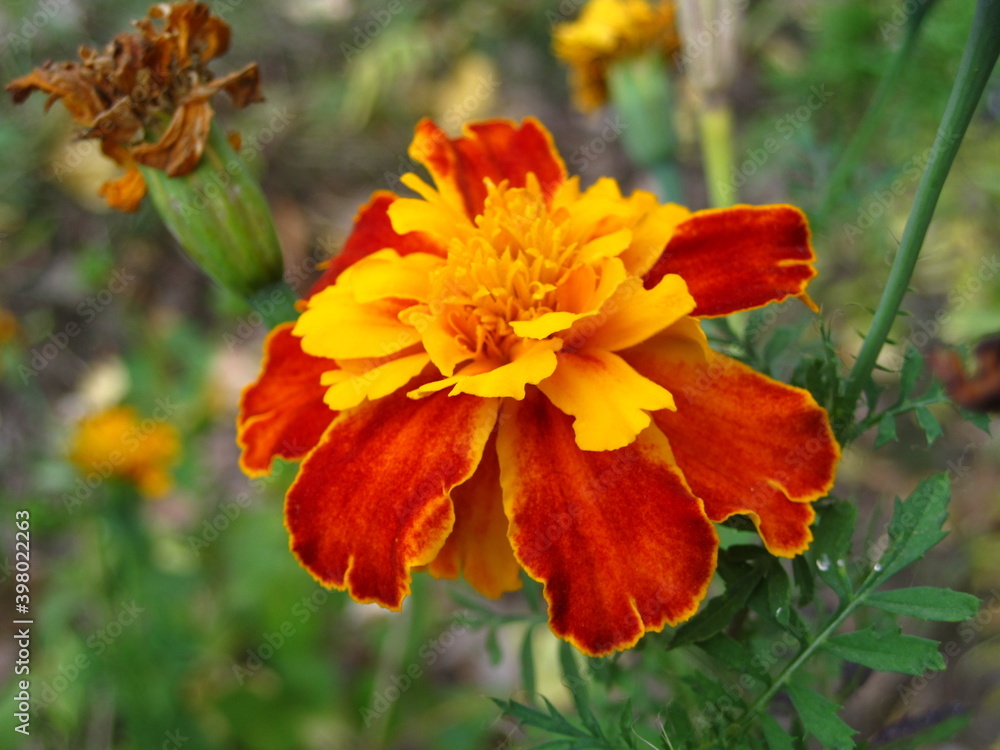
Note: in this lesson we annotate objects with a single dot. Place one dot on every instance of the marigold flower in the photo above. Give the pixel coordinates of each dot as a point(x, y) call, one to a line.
point(608, 31)
point(115, 442)
point(146, 96)
point(507, 373)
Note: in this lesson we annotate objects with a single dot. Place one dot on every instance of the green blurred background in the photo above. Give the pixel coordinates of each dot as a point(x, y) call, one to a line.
point(185, 621)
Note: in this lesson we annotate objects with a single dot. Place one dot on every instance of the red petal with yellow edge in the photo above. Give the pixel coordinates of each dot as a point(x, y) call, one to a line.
point(621, 544)
point(282, 415)
point(478, 545)
point(371, 502)
point(373, 232)
point(746, 443)
point(739, 258)
point(496, 150)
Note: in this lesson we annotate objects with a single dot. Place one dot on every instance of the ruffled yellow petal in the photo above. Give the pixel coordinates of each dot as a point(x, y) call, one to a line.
point(349, 388)
point(385, 274)
point(634, 314)
point(532, 363)
point(337, 327)
point(609, 399)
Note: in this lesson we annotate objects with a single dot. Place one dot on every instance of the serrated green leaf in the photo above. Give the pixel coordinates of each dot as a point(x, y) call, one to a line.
point(552, 722)
point(886, 430)
point(727, 651)
point(528, 663)
point(926, 603)
point(913, 365)
point(915, 526)
point(978, 418)
point(776, 737)
point(888, 651)
point(578, 687)
point(719, 612)
point(832, 545)
point(819, 717)
point(928, 423)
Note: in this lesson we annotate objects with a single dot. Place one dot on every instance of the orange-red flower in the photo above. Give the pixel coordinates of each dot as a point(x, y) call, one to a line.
point(146, 96)
point(507, 373)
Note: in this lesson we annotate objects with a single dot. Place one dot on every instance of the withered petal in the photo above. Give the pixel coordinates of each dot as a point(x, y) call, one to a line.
point(72, 83)
point(180, 148)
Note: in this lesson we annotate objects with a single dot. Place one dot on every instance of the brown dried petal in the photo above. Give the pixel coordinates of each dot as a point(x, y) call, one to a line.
point(243, 86)
point(72, 83)
point(117, 124)
point(181, 146)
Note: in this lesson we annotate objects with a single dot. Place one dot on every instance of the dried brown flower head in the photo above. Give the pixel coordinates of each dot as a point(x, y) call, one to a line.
point(981, 391)
point(146, 95)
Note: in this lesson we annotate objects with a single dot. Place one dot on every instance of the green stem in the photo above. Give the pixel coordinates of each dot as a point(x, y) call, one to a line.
point(831, 627)
point(981, 51)
point(848, 161)
point(716, 127)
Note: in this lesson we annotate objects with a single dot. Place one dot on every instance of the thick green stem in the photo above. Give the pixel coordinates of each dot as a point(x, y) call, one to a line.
point(848, 162)
point(981, 51)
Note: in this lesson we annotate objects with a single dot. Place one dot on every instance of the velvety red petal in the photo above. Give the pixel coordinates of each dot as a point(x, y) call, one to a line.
point(746, 443)
point(371, 502)
point(372, 232)
point(282, 414)
point(739, 258)
point(478, 546)
point(496, 150)
point(622, 545)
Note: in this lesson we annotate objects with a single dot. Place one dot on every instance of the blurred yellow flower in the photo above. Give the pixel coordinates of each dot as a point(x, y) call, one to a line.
point(115, 442)
point(606, 31)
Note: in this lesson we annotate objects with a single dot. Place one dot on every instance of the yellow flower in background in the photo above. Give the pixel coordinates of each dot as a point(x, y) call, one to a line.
point(607, 31)
point(115, 442)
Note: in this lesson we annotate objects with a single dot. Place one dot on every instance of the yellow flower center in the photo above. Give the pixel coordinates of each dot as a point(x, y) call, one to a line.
point(508, 268)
